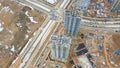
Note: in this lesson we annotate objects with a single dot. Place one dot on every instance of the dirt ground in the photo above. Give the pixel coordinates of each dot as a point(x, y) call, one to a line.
point(116, 39)
point(13, 38)
point(99, 56)
point(116, 44)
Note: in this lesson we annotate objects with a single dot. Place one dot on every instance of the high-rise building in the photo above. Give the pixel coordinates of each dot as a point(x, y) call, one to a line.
point(60, 46)
point(71, 22)
point(82, 5)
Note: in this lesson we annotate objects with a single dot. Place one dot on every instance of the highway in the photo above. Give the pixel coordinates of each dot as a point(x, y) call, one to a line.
point(37, 5)
point(27, 54)
point(108, 27)
point(35, 43)
point(45, 47)
point(32, 40)
point(115, 4)
point(100, 23)
point(100, 28)
point(44, 37)
point(40, 44)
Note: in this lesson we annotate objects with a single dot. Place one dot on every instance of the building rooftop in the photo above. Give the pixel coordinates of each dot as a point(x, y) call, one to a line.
point(60, 39)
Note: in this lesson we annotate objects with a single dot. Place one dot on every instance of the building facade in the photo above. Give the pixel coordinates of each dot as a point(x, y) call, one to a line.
point(71, 22)
point(60, 46)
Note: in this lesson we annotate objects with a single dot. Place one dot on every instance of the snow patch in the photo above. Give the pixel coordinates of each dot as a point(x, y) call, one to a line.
point(51, 1)
point(1, 28)
point(30, 39)
point(15, 60)
point(0, 43)
point(6, 9)
point(0, 4)
point(12, 48)
point(26, 36)
point(35, 33)
point(31, 7)
point(19, 25)
point(11, 12)
point(27, 13)
point(112, 62)
point(31, 18)
point(103, 63)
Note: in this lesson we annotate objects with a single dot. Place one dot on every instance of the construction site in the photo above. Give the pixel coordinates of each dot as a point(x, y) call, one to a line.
point(59, 33)
point(100, 46)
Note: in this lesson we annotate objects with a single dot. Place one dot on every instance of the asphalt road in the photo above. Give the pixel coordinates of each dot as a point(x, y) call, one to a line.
point(42, 33)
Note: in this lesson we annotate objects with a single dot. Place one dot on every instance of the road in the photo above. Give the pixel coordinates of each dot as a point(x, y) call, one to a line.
point(115, 4)
point(105, 51)
point(96, 25)
point(48, 34)
point(45, 48)
point(33, 57)
point(42, 34)
point(56, 63)
point(44, 37)
point(39, 38)
point(37, 5)
point(101, 25)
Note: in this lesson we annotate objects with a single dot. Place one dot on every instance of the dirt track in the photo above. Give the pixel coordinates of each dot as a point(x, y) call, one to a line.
point(106, 40)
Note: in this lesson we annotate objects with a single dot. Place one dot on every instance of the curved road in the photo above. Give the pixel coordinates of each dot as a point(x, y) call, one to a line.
point(40, 35)
point(30, 47)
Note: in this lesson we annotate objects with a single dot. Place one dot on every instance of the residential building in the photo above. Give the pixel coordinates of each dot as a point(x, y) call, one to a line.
point(71, 22)
point(60, 46)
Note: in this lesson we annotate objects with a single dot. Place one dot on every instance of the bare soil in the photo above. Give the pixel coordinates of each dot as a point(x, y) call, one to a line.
point(11, 35)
